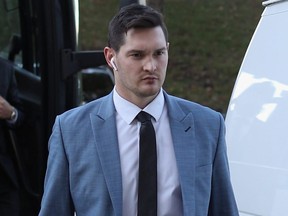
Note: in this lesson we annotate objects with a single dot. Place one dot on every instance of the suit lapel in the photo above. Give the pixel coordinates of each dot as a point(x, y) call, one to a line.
point(183, 135)
point(105, 134)
point(182, 129)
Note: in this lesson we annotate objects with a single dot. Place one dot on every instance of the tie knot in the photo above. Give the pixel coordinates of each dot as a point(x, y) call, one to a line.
point(143, 117)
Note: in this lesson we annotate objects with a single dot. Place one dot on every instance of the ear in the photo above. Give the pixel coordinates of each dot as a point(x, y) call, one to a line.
point(109, 53)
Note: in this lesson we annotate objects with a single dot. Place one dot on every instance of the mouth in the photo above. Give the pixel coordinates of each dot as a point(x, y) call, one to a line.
point(150, 78)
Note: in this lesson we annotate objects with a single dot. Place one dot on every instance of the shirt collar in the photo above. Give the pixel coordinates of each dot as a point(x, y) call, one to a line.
point(128, 111)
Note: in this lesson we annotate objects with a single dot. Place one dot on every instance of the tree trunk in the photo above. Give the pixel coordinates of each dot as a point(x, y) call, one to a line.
point(127, 2)
point(156, 4)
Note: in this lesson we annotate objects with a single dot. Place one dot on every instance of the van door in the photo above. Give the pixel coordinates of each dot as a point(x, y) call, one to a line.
point(257, 117)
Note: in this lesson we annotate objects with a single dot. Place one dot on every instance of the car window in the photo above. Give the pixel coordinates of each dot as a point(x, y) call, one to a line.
point(10, 30)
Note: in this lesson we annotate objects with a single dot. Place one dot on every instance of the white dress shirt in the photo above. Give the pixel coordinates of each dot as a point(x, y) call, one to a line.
point(169, 191)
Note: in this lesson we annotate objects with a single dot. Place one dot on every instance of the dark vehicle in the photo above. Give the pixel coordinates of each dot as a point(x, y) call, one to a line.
point(40, 39)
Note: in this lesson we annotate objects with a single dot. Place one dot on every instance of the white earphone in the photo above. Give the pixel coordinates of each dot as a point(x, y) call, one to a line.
point(113, 64)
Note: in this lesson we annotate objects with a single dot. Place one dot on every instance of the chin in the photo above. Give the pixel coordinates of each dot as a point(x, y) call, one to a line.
point(151, 92)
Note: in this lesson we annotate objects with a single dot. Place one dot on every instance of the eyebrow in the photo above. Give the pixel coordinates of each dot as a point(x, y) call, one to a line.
point(162, 49)
point(143, 51)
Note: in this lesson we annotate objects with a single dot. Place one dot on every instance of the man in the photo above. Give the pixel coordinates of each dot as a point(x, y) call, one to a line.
point(93, 150)
point(10, 117)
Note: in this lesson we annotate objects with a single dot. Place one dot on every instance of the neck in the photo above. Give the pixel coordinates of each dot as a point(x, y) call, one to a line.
point(139, 100)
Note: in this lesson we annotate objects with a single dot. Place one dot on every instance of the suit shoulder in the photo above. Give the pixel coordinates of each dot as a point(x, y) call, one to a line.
point(82, 112)
point(191, 104)
point(199, 111)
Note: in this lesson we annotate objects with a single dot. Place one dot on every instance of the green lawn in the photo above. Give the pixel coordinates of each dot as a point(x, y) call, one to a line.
point(208, 40)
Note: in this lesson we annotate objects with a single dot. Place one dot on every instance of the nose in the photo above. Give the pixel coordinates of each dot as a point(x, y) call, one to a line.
point(150, 65)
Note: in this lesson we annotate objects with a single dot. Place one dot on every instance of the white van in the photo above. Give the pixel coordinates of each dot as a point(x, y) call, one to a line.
point(257, 118)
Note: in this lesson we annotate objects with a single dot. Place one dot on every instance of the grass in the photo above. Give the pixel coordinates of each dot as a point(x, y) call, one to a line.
point(208, 40)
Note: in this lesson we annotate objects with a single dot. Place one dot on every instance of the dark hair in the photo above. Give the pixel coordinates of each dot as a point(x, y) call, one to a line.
point(133, 16)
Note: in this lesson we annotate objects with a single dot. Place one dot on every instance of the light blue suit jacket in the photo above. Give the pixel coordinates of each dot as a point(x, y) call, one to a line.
point(84, 173)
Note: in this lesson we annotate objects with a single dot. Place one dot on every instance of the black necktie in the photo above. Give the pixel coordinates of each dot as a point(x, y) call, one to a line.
point(147, 188)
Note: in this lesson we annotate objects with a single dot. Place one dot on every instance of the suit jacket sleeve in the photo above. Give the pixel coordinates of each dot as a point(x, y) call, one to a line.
point(12, 96)
point(222, 201)
point(57, 198)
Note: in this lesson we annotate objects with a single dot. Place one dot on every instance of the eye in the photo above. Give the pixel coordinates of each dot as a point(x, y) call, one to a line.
point(136, 55)
point(160, 52)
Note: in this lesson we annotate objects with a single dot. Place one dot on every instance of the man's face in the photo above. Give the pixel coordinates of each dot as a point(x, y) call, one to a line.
point(141, 65)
